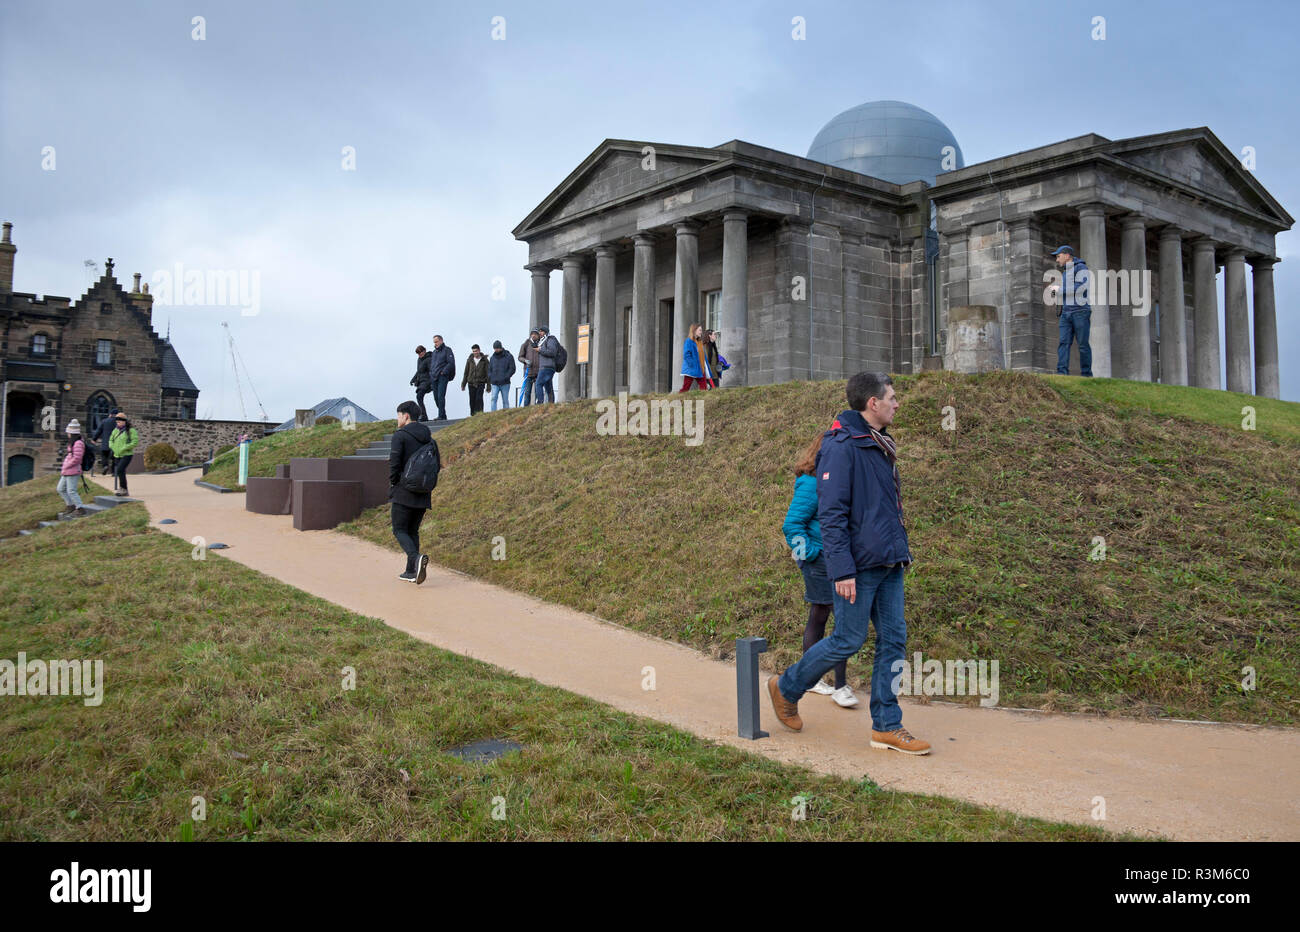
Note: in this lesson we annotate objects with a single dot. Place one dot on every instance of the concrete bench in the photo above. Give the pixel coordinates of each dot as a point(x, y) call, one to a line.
point(320, 504)
point(267, 496)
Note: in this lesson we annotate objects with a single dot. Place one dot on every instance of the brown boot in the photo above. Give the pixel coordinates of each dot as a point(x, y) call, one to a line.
point(786, 711)
point(900, 739)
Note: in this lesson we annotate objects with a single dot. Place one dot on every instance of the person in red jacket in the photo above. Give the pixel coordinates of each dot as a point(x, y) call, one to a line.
point(70, 473)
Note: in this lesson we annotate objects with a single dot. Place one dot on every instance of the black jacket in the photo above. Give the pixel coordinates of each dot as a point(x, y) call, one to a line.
point(405, 442)
point(423, 380)
point(444, 363)
point(501, 367)
point(102, 432)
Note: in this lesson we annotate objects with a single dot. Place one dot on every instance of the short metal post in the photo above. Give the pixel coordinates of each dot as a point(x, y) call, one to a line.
point(747, 651)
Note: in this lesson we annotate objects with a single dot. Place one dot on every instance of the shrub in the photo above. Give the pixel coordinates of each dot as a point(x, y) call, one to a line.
point(159, 455)
point(326, 419)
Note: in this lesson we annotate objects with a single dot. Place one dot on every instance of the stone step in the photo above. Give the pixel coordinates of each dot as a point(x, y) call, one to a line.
point(368, 456)
point(47, 524)
point(93, 509)
point(111, 501)
point(26, 533)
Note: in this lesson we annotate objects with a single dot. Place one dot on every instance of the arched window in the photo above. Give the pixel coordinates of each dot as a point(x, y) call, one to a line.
point(98, 408)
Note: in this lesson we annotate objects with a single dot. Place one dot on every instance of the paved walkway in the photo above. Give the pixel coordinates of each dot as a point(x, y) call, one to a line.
point(1196, 782)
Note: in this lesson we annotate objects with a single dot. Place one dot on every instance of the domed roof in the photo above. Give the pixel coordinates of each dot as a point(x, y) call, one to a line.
point(889, 140)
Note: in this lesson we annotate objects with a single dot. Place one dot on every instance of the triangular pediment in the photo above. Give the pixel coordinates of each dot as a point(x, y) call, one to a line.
point(618, 169)
point(1197, 159)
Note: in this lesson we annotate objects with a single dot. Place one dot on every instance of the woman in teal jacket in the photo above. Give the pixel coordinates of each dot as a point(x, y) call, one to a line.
point(804, 535)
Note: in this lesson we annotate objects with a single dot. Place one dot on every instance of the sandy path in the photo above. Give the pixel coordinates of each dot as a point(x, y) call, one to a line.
point(1196, 782)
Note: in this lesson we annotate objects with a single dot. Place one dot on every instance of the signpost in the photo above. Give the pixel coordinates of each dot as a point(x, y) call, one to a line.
point(243, 460)
point(747, 651)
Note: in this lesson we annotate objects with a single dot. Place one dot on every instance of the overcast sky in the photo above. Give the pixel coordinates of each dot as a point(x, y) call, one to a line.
point(226, 153)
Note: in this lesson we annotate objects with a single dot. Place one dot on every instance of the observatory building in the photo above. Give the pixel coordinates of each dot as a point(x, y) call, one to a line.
point(852, 257)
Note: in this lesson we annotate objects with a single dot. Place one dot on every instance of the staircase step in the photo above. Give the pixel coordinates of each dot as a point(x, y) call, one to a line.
point(91, 509)
point(26, 533)
point(47, 524)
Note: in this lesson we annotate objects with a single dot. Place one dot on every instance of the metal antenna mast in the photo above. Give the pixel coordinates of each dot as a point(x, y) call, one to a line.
point(237, 360)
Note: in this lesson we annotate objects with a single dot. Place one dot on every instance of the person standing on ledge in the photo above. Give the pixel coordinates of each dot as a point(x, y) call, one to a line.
point(547, 348)
point(442, 370)
point(422, 380)
point(501, 369)
point(408, 506)
point(528, 356)
point(1073, 299)
point(476, 377)
point(860, 510)
point(122, 442)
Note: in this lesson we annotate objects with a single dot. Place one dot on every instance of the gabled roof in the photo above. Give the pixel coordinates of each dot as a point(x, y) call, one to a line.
point(334, 407)
point(173, 371)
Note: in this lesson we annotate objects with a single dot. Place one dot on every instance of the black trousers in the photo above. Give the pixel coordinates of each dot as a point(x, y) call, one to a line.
point(476, 398)
point(119, 470)
point(406, 528)
point(419, 400)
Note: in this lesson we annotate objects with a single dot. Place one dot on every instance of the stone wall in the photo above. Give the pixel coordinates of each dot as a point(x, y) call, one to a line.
point(194, 440)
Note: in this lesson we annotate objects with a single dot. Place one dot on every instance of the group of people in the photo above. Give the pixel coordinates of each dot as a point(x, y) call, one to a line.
point(702, 362)
point(541, 354)
point(116, 440)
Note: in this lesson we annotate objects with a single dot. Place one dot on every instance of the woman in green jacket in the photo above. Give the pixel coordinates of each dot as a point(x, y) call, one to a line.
point(122, 442)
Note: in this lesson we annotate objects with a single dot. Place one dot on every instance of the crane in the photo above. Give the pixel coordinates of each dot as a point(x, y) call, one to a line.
point(236, 360)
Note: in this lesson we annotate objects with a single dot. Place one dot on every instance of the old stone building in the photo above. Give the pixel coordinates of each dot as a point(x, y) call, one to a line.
point(851, 258)
point(81, 359)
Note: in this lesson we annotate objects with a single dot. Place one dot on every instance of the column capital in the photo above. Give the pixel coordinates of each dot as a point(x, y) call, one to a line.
point(1205, 244)
point(1171, 232)
point(734, 215)
point(1094, 209)
point(1259, 263)
point(539, 269)
point(644, 239)
point(606, 251)
point(1236, 254)
point(1133, 221)
point(687, 227)
point(572, 260)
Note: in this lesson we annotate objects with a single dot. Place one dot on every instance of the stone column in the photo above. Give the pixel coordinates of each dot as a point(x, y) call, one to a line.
point(570, 382)
point(1266, 371)
point(1173, 316)
point(1137, 330)
point(1206, 320)
point(1092, 246)
point(735, 296)
point(604, 326)
point(539, 309)
point(789, 338)
point(686, 288)
point(1236, 322)
point(641, 369)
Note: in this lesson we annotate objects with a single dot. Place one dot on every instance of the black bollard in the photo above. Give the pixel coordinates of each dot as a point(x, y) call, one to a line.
point(747, 651)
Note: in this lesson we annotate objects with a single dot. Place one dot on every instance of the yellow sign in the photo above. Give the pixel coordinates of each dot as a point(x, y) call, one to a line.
point(584, 343)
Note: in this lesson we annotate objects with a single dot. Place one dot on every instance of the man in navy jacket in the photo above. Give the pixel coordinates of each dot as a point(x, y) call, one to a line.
point(860, 509)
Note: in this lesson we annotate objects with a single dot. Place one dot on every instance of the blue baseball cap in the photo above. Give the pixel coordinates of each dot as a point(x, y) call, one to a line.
point(1061, 249)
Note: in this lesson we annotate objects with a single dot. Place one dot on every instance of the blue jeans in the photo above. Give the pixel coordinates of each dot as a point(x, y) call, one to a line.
point(1075, 324)
point(440, 395)
point(526, 394)
point(544, 377)
point(67, 489)
point(502, 392)
point(879, 599)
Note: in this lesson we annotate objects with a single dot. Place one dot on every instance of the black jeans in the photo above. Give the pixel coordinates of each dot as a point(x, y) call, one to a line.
point(419, 400)
point(406, 528)
point(476, 398)
point(119, 470)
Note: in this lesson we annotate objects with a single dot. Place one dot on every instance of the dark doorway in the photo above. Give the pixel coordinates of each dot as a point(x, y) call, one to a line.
point(98, 408)
point(21, 468)
point(667, 353)
point(22, 413)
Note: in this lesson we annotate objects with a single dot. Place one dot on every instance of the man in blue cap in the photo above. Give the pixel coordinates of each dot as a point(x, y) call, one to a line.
point(1073, 302)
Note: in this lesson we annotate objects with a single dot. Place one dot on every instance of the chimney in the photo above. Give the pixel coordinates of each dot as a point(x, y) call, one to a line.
point(7, 250)
point(135, 289)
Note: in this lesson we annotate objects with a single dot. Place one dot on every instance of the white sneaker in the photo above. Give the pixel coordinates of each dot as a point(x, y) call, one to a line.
point(822, 688)
point(844, 697)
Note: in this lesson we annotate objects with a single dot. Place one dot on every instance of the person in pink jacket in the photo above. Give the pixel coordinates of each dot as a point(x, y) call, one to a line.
point(70, 474)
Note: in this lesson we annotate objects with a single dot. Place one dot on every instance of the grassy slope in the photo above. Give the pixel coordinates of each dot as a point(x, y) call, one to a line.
point(23, 505)
point(1202, 526)
point(266, 453)
point(203, 660)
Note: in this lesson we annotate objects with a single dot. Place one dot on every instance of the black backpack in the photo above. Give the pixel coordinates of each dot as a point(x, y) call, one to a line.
point(561, 356)
point(87, 458)
point(420, 474)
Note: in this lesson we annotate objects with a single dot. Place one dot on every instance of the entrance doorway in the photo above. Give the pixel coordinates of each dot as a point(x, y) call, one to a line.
point(21, 468)
point(666, 353)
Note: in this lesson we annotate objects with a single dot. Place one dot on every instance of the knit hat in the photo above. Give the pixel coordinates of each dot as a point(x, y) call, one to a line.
point(496, 344)
point(74, 426)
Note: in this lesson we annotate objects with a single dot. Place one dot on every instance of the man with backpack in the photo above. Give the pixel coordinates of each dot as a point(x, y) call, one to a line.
point(413, 464)
point(551, 358)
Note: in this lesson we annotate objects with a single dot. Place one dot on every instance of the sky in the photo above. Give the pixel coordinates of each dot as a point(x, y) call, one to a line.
point(227, 152)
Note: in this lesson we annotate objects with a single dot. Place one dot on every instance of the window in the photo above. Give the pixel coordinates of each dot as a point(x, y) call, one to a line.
point(39, 345)
point(99, 407)
point(104, 353)
point(713, 310)
point(105, 308)
point(627, 346)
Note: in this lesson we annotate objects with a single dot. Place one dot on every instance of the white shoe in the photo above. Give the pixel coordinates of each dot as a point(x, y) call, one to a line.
point(822, 688)
point(844, 697)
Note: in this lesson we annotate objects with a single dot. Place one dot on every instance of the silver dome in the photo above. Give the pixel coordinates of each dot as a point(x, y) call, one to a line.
point(887, 139)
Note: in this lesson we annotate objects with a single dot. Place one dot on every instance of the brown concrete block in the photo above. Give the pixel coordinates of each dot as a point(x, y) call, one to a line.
point(266, 496)
point(320, 504)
